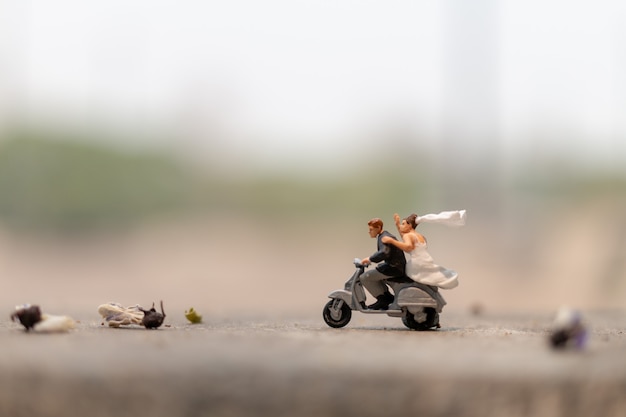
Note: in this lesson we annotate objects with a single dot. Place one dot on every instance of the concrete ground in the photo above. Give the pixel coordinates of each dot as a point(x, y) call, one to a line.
point(264, 350)
point(475, 365)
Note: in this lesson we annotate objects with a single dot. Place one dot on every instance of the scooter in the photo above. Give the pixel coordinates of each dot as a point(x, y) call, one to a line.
point(418, 305)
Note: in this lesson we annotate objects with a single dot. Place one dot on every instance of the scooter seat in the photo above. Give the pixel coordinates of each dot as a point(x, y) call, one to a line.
point(401, 280)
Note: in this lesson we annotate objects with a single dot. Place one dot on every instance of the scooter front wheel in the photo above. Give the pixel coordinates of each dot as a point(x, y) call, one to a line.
point(337, 313)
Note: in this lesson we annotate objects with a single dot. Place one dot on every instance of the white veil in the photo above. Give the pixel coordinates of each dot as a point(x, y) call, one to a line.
point(449, 218)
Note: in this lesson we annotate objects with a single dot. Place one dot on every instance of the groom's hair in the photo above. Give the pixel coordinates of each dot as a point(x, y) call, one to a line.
point(376, 222)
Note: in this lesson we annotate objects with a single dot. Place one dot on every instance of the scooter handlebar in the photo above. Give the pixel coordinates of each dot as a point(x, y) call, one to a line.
point(358, 263)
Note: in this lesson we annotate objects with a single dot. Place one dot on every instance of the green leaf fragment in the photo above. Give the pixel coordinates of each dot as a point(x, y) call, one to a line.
point(193, 316)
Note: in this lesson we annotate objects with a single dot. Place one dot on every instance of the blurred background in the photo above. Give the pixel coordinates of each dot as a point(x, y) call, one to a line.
point(228, 155)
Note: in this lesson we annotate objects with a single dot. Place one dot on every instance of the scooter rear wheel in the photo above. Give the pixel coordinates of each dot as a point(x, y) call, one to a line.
point(337, 316)
point(432, 320)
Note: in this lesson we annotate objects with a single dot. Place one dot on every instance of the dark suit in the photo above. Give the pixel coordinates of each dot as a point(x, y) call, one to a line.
point(391, 263)
point(390, 259)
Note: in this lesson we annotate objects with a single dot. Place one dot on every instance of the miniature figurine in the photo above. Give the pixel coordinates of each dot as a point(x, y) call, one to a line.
point(32, 318)
point(152, 319)
point(27, 315)
point(391, 263)
point(568, 330)
point(420, 266)
point(116, 315)
point(418, 304)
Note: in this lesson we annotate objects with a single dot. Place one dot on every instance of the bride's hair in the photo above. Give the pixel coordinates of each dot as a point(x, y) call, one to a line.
point(412, 220)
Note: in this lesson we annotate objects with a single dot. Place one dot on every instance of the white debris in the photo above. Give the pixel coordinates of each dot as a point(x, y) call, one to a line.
point(54, 324)
point(116, 315)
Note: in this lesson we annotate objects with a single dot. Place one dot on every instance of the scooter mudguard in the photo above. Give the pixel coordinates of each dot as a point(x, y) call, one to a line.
point(344, 295)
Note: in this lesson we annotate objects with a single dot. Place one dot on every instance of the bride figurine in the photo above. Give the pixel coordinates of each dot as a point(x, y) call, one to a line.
point(420, 266)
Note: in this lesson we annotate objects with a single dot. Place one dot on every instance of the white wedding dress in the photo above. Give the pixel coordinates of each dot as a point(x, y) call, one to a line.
point(421, 268)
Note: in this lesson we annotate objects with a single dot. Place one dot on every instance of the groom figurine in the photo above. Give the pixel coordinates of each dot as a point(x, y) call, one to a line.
point(391, 263)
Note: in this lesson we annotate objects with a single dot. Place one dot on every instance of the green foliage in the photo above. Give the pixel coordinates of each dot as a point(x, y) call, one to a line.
point(292, 197)
point(70, 185)
point(65, 183)
point(568, 188)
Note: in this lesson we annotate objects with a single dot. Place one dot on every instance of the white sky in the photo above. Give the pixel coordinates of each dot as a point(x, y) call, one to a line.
point(325, 71)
